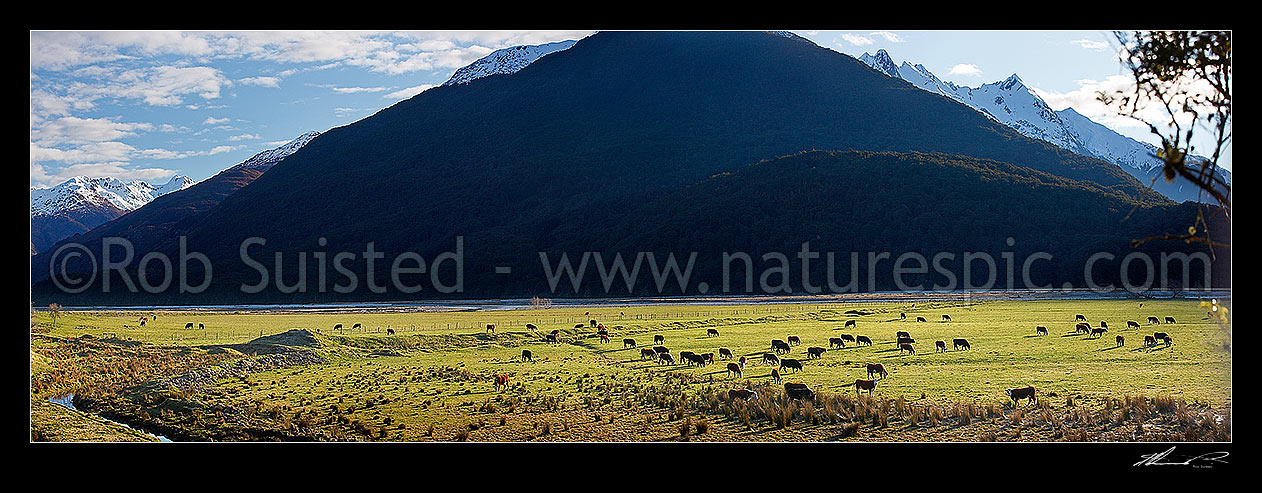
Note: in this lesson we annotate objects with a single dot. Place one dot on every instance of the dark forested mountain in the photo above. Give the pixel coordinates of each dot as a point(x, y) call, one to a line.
point(614, 144)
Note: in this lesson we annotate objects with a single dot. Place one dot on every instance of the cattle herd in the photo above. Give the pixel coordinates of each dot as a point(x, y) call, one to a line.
point(876, 372)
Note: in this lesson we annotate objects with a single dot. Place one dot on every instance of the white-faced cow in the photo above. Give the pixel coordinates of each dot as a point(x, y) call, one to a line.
point(902, 334)
point(868, 385)
point(1022, 393)
point(665, 359)
point(647, 353)
point(877, 369)
point(1154, 320)
point(770, 359)
point(725, 353)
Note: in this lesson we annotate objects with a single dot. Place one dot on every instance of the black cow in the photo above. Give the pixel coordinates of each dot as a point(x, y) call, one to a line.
point(660, 349)
point(579, 326)
point(770, 359)
point(1097, 332)
point(692, 358)
point(849, 323)
point(711, 333)
point(356, 326)
point(814, 352)
point(901, 334)
point(799, 391)
point(1154, 320)
point(684, 355)
point(201, 327)
point(551, 338)
point(1169, 320)
point(526, 356)
point(490, 327)
point(1167, 340)
point(709, 357)
point(791, 363)
point(389, 331)
point(779, 345)
point(961, 343)
point(628, 343)
point(775, 375)
point(1080, 317)
point(863, 340)
point(902, 315)
point(906, 347)
point(593, 322)
point(921, 319)
point(836, 342)
point(665, 358)
point(1082, 328)
point(190, 325)
point(941, 346)
point(658, 339)
point(1121, 341)
point(1040, 330)
point(868, 385)
point(946, 318)
point(877, 369)
point(847, 337)
point(1150, 341)
point(335, 327)
point(1022, 393)
point(794, 340)
point(531, 327)
point(647, 353)
point(725, 353)
point(1159, 335)
point(1132, 324)
point(905, 340)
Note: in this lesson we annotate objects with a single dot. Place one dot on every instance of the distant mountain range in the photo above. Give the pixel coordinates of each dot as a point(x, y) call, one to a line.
point(1012, 103)
point(82, 203)
point(651, 141)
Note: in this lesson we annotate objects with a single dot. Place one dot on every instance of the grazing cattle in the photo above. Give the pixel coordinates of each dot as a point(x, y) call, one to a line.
point(742, 362)
point(775, 375)
point(868, 385)
point(742, 394)
point(711, 333)
point(684, 355)
point(798, 391)
point(921, 319)
point(836, 342)
point(142, 323)
point(658, 339)
point(1169, 320)
point(1159, 335)
point(725, 353)
point(814, 352)
point(526, 356)
point(1022, 393)
point(1132, 324)
point(1154, 320)
point(552, 338)
point(1082, 328)
point(1080, 318)
point(1040, 330)
point(902, 315)
point(647, 353)
point(941, 346)
point(690, 358)
point(709, 357)
point(531, 327)
point(1168, 340)
point(946, 318)
point(779, 345)
point(906, 347)
point(593, 322)
point(733, 368)
point(190, 325)
point(847, 337)
point(389, 331)
point(863, 341)
point(665, 359)
point(628, 343)
point(579, 326)
point(1150, 341)
point(877, 369)
point(555, 332)
point(906, 340)
point(849, 323)
point(1104, 324)
point(770, 359)
point(901, 334)
point(791, 363)
point(961, 343)
point(490, 327)
point(794, 340)
point(201, 327)
point(356, 326)
point(335, 327)
point(604, 338)
point(501, 381)
point(1097, 332)
point(1121, 341)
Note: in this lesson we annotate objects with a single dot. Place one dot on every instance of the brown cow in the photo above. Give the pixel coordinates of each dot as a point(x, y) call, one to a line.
point(725, 353)
point(1150, 341)
point(733, 368)
point(906, 347)
point(501, 381)
point(791, 363)
point(1097, 332)
point(1082, 328)
point(628, 343)
point(799, 391)
point(1022, 393)
point(1169, 320)
point(742, 362)
point(604, 338)
point(868, 385)
point(775, 375)
point(742, 394)
point(794, 340)
point(901, 334)
point(1168, 340)
point(1132, 324)
point(877, 369)
point(863, 340)
point(1121, 341)
point(647, 353)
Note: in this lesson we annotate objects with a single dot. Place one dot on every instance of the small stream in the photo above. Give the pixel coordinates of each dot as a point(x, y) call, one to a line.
point(67, 401)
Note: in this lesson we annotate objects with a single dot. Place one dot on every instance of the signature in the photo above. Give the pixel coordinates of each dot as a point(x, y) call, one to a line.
point(1159, 459)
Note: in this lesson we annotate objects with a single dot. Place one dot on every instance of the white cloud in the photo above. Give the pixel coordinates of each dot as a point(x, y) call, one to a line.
point(889, 36)
point(261, 81)
point(857, 40)
point(1091, 45)
point(210, 120)
point(965, 69)
point(408, 92)
point(353, 90)
point(75, 130)
point(235, 138)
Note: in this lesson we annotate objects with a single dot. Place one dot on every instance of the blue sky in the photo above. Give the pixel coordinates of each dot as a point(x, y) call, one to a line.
point(151, 104)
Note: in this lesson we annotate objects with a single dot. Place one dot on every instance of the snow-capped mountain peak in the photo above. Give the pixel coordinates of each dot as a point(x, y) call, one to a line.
point(505, 61)
point(266, 159)
point(881, 61)
point(108, 192)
